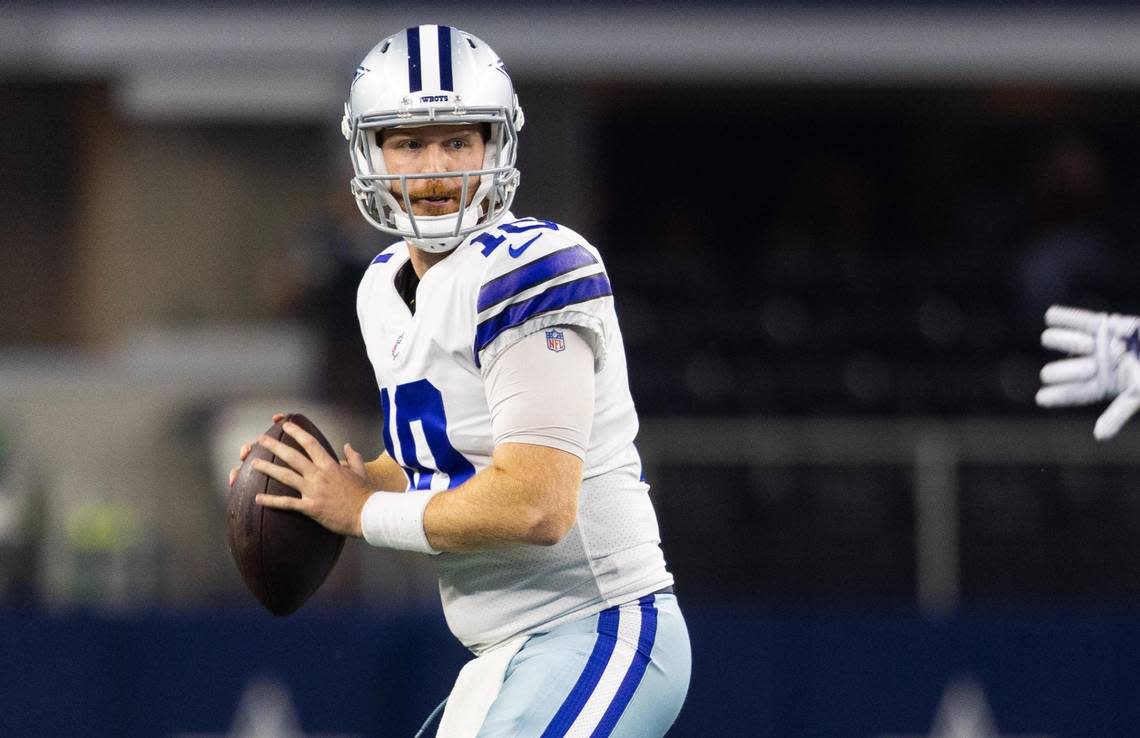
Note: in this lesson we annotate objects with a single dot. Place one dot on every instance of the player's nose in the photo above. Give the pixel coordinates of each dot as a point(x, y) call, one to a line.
point(435, 158)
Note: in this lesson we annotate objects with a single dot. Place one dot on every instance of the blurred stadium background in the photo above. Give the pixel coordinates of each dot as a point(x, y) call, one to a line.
point(832, 228)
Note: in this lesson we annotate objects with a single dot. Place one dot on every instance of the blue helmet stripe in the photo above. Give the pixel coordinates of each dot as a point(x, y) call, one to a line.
point(445, 82)
point(415, 84)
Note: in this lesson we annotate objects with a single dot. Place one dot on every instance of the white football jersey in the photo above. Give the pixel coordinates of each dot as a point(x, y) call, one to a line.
point(499, 285)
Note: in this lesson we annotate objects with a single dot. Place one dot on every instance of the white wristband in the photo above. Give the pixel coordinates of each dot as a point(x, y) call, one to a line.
point(396, 520)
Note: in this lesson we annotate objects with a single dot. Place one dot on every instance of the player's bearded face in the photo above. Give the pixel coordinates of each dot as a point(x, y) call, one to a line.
point(441, 148)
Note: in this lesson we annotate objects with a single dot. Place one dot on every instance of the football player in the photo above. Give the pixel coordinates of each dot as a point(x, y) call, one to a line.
point(508, 422)
point(1104, 364)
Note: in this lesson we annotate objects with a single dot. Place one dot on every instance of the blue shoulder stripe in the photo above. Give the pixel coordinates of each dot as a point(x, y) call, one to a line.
point(555, 298)
point(528, 275)
point(382, 258)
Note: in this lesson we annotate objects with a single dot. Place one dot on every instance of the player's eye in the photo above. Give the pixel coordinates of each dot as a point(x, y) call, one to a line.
point(458, 143)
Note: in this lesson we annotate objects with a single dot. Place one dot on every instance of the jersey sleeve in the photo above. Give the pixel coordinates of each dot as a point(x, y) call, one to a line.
point(538, 276)
point(543, 397)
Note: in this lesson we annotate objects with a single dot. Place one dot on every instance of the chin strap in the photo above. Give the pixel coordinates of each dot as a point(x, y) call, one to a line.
point(436, 232)
point(436, 246)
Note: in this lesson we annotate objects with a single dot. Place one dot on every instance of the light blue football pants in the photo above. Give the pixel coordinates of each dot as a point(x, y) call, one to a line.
point(622, 673)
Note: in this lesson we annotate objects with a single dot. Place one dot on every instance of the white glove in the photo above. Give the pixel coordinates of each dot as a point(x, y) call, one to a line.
point(1105, 364)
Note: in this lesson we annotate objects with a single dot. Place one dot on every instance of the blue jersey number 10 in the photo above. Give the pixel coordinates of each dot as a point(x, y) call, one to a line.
point(490, 243)
point(420, 403)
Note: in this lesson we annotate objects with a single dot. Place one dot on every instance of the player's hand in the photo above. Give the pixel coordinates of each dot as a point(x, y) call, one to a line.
point(331, 493)
point(1104, 364)
point(244, 452)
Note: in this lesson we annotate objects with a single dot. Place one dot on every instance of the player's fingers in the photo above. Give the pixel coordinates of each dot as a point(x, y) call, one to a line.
point(288, 454)
point(280, 502)
point(1080, 369)
point(233, 475)
point(245, 450)
point(1068, 341)
point(1122, 324)
point(355, 461)
point(1064, 395)
point(312, 446)
point(1063, 316)
point(1116, 415)
point(282, 474)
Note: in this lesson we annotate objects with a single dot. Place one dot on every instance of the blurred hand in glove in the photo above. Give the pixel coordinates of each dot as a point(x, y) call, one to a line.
point(1104, 364)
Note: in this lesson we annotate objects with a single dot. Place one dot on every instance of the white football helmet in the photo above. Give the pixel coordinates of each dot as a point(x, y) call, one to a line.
point(429, 75)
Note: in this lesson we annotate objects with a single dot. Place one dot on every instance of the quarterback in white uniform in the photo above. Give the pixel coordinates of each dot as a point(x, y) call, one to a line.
point(508, 422)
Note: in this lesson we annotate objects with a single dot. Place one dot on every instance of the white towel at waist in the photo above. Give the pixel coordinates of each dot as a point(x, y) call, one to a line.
point(476, 687)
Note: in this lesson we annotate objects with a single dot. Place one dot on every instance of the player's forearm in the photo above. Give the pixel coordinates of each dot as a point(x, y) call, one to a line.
point(528, 494)
point(385, 474)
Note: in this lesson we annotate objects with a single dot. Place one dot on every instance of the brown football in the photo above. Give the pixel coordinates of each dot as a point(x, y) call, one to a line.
point(282, 555)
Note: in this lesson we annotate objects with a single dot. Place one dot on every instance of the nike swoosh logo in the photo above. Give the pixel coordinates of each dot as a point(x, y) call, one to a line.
point(515, 253)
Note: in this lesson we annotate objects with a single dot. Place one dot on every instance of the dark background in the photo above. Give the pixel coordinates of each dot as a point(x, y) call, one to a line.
point(830, 276)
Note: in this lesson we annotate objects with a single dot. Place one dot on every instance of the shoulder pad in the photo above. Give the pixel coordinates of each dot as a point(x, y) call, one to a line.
point(388, 253)
point(530, 253)
point(509, 245)
point(535, 270)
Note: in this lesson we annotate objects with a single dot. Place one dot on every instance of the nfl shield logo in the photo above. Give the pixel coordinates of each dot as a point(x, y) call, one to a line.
point(555, 340)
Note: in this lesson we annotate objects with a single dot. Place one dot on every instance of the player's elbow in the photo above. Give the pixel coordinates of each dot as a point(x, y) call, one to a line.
point(543, 486)
point(547, 524)
point(547, 531)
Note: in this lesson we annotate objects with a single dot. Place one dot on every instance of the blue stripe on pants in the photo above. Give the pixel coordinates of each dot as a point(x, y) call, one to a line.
point(636, 669)
point(599, 658)
point(542, 675)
